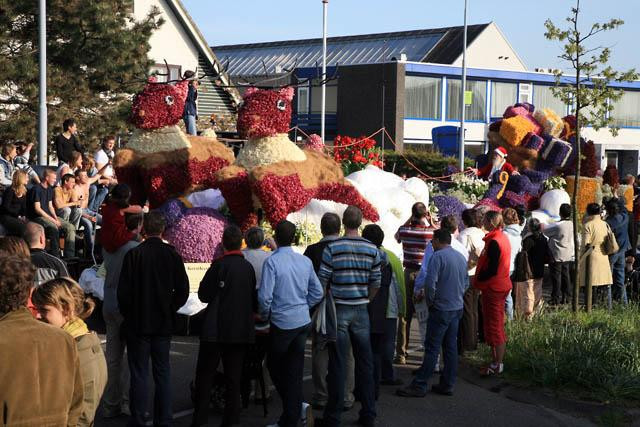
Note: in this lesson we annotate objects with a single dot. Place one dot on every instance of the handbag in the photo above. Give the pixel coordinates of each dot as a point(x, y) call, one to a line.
point(610, 244)
point(522, 266)
point(474, 256)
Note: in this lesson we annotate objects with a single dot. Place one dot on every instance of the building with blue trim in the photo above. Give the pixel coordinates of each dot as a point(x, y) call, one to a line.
point(409, 82)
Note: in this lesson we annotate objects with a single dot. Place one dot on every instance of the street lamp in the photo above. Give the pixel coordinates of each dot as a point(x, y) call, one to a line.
point(323, 96)
point(463, 87)
point(42, 104)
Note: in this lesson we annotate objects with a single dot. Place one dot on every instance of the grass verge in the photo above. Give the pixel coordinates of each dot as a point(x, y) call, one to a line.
point(584, 356)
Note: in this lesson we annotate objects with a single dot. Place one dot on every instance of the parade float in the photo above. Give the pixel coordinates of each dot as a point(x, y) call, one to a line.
point(201, 187)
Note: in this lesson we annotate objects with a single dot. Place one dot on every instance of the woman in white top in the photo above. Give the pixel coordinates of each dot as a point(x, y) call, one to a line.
point(74, 164)
point(472, 237)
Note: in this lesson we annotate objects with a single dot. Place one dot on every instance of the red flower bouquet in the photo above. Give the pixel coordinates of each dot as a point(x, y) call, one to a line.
point(354, 154)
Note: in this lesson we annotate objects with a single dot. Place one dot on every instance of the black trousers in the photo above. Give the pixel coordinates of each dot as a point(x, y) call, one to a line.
point(209, 356)
point(14, 226)
point(561, 275)
point(285, 361)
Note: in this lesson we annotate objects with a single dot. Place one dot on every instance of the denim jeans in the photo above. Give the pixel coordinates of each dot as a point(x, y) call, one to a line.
point(116, 393)
point(141, 348)
point(353, 323)
point(52, 232)
point(88, 233)
point(508, 305)
point(190, 124)
point(442, 330)
point(617, 262)
point(97, 194)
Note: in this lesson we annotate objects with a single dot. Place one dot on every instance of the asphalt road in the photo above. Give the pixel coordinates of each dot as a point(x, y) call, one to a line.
point(471, 405)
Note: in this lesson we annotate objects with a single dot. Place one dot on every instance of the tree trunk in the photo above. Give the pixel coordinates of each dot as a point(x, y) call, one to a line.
point(574, 202)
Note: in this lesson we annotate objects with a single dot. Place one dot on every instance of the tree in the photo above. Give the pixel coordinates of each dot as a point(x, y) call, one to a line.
point(96, 58)
point(590, 89)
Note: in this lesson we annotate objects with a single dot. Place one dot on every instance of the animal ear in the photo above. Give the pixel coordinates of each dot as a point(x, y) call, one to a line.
point(287, 93)
point(250, 91)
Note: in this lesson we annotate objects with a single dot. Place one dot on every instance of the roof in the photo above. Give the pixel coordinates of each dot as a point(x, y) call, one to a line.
point(440, 45)
point(201, 44)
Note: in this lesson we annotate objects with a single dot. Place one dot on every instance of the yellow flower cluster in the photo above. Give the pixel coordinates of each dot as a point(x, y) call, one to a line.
point(514, 129)
point(588, 188)
point(550, 121)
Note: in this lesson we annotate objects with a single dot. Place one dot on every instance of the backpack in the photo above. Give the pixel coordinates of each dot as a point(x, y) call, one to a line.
point(522, 266)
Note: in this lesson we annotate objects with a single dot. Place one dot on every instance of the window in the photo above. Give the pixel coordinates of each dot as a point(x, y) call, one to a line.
point(160, 71)
point(303, 100)
point(543, 98)
point(331, 106)
point(422, 97)
point(626, 110)
point(474, 112)
point(503, 95)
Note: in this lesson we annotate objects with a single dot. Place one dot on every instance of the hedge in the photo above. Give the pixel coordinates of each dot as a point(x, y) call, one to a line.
point(432, 163)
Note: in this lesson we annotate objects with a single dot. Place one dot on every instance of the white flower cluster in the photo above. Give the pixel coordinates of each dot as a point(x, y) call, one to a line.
point(269, 150)
point(473, 188)
point(554, 183)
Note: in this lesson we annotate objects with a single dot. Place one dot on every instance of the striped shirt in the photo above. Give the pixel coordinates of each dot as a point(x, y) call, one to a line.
point(414, 239)
point(350, 267)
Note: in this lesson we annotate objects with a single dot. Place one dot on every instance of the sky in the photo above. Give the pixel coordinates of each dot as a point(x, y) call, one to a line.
point(247, 21)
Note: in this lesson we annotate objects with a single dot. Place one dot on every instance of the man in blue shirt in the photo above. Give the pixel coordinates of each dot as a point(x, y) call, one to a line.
point(289, 288)
point(445, 285)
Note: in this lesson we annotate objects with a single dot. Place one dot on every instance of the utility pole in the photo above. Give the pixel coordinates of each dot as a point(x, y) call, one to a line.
point(42, 104)
point(463, 88)
point(323, 106)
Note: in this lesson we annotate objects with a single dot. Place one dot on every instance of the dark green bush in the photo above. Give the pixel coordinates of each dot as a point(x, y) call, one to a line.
point(432, 163)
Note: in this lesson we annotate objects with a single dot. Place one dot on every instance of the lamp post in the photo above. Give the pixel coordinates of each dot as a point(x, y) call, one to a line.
point(463, 87)
point(42, 104)
point(323, 96)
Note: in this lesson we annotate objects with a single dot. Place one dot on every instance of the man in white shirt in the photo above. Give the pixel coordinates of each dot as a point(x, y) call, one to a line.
point(102, 157)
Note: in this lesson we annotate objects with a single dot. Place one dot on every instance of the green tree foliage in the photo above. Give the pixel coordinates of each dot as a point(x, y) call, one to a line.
point(96, 58)
point(589, 92)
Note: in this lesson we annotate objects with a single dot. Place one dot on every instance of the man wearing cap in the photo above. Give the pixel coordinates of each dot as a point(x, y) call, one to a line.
point(498, 163)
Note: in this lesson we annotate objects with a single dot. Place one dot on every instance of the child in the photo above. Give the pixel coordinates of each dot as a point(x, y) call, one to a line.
point(114, 232)
point(62, 303)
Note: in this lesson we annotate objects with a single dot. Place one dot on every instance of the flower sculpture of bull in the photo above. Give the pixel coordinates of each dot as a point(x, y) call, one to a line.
point(160, 161)
point(274, 175)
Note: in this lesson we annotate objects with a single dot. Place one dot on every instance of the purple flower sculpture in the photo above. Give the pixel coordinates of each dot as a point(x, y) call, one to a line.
point(526, 105)
point(448, 205)
point(492, 192)
point(197, 236)
point(511, 199)
point(537, 176)
point(173, 210)
point(518, 183)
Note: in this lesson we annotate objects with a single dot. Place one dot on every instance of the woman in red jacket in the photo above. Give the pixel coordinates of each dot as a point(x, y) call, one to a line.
point(492, 278)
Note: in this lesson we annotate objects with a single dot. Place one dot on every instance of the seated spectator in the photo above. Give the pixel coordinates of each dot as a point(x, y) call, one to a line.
point(83, 193)
point(40, 376)
point(65, 200)
point(13, 210)
point(98, 183)
point(114, 233)
point(40, 209)
point(62, 304)
point(69, 168)
point(229, 288)
point(21, 161)
point(69, 207)
point(103, 157)
point(8, 153)
point(47, 266)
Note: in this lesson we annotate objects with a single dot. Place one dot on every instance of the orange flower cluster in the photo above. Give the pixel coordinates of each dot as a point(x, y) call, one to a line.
point(356, 153)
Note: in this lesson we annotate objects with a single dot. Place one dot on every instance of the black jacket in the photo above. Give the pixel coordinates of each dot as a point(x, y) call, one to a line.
point(153, 285)
point(229, 289)
point(537, 249)
point(13, 205)
point(314, 253)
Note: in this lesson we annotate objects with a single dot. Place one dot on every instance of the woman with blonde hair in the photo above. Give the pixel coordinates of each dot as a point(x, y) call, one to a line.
point(13, 210)
point(493, 280)
point(63, 304)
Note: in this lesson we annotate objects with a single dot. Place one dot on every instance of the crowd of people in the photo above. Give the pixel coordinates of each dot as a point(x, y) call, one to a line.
point(353, 298)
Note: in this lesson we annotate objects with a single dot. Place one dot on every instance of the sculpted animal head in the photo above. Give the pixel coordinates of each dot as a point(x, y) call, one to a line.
point(265, 112)
point(159, 105)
